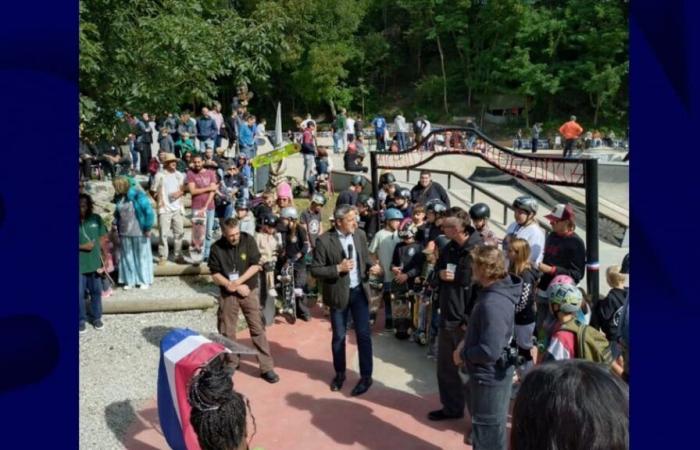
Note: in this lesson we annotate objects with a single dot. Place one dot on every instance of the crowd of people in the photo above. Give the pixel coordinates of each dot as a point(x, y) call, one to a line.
point(490, 311)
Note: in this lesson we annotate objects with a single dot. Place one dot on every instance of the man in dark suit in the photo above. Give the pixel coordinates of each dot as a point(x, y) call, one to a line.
point(341, 263)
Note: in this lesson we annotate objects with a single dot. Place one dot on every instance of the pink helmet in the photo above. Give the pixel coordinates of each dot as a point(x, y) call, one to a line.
point(284, 190)
point(562, 279)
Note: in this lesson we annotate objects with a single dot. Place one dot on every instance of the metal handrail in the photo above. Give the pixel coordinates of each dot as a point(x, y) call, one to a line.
point(505, 203)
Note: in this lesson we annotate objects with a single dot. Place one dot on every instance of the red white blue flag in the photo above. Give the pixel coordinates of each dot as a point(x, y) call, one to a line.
point(182, 352)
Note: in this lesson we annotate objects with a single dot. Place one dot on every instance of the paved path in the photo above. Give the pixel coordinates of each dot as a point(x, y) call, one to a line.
point(300, 412)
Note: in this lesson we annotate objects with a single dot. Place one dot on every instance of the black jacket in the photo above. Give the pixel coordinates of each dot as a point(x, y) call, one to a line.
point(410, 258)
point(369, 224)
point(455, 296)
point(525, 309)
point(347, 197)
point(420, 195)
point(567, 254)
point(225, 259)
point(490, 330)
point(606, 313)
point(328, 253)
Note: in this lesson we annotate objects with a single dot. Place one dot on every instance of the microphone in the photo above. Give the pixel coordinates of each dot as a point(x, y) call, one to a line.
point(350, 251)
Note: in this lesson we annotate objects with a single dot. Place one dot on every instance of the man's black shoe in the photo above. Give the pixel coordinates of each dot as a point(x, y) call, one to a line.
point(362, 386)
point(305, 318)
point(270, 376)
point(441, 415)
point(337, 383)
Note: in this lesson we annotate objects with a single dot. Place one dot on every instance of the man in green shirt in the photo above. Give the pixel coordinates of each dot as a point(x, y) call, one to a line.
point(91, 231)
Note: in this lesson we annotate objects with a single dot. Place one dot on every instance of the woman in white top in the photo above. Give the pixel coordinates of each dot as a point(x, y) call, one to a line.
point(526, 227)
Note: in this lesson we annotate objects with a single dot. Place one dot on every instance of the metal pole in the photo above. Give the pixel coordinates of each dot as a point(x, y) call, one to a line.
point(375, 179)
point(592, 266)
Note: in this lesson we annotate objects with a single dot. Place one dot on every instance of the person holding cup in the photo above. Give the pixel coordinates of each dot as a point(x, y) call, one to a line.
point(455, 280)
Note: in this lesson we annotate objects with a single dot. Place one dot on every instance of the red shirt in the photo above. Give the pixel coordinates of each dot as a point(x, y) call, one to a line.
point(571, 130)
point(308, 137)
point(203, 178)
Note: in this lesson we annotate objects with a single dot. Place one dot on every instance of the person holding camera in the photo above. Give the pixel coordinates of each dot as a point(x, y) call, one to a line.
point(486, 352)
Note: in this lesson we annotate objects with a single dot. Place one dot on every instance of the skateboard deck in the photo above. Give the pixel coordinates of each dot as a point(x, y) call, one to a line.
point(199, 223)
point(275, 155)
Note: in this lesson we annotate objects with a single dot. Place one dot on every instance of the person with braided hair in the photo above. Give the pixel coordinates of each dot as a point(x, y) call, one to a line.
point(218, 414)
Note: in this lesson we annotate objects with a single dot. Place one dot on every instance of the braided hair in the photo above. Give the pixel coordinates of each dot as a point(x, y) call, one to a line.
point(218, 412)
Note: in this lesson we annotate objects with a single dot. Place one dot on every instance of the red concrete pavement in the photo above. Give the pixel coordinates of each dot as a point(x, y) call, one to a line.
point(300, 412)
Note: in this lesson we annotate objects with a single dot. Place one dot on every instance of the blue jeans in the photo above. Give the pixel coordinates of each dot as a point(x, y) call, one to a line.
point(93, 284)
point(402, 137)
point(209, 233)
point(203, 144)
point(309, 163)
point(359, 307)
point(488, 407)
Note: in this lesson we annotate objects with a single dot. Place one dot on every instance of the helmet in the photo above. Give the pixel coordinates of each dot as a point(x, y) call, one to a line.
point(562, 279)
point(567, 296)
point(319, 199)
point(436, 206)
point(242, 203)
point(357, 180)
point(387, 178)
point(479, 211)
point(526, 203)
point(290, 213)
point(441, 241)
point(403, 193)
point(393, 214)
point(407, 232)
point(366, 200)
point(269, 220)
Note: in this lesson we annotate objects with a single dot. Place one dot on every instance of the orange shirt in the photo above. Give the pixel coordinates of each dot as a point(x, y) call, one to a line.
point(570, 130)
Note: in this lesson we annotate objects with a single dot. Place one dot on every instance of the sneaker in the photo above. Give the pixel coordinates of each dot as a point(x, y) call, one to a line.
point(82, 328)
point(144, 286)
point(98, 324)
point(127, 287)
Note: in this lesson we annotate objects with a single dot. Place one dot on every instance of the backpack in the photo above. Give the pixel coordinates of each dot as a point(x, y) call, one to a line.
point(591, 344)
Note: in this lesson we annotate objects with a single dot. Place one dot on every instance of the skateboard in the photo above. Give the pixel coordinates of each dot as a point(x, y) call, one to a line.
point(199, 228)
point(401, 310)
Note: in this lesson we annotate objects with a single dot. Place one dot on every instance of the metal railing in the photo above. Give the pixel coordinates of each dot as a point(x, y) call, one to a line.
point(506, 204)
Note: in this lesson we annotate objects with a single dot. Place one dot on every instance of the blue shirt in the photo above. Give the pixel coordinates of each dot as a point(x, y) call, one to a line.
point(245, 135)
point(345, 241)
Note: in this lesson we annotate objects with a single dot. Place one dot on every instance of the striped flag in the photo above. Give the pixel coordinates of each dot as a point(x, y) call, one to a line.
point(182, 352)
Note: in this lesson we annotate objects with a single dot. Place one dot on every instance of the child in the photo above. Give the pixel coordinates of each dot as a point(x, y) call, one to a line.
point(368, 219)
point(246, 219)
point(406, 265)
point(520, 265)
point(311, 219)
point(564, 302)
point(480, 214)
point(265, 207)
point(268, 241)
point(403, 203)
point(382, 251)
point(607, 312)
point(294, 247)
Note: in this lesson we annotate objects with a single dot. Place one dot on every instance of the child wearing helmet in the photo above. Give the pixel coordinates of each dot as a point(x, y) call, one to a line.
point(311, 219)
point(368, 219)
point(246, 219)
point(268, 241)
point(295, 246)
point(381, 251)
point(526, 227)
point(406, 265)
point(402, 200)
point(564, 303)
point(480, 214)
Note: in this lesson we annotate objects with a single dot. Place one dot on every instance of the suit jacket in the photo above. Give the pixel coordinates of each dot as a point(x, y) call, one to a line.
point(328, 253)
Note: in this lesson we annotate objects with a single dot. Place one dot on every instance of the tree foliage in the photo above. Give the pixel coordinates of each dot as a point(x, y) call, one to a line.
point(442, 57)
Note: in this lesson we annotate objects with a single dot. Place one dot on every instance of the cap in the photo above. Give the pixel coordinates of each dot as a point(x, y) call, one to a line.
point(561, 212)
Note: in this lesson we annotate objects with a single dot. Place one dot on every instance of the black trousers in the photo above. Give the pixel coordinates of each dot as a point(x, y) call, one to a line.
point(449, 382)
point(144, 150)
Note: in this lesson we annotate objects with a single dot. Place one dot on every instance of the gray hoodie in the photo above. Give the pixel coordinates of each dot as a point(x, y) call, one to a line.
point(490, 329)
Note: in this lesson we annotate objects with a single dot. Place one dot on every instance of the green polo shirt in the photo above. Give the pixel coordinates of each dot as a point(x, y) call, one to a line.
point(91, 229)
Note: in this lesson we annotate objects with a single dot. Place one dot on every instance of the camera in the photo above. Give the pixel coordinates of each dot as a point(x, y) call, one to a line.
point(510, 356)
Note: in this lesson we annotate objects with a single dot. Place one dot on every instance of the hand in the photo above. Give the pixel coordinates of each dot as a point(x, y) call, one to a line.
point(401, 278)
point(375, 269)
point(457, 358)
point(447, 276)
point(88, 246)
point(232, 286)
point(395, 270)
point(346, 266)
point(243, 290)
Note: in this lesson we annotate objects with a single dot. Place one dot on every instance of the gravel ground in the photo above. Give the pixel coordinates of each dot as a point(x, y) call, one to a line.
point(118, 370)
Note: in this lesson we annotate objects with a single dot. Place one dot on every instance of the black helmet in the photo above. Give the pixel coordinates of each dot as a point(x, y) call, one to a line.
point(441, 241)
point(479, 211)
point(387, 178)
point(242, 203)
point(436, 206)
point(366, 200)
point(357, 180)
point(269, 220)
point(526, 203)
point(403, 193)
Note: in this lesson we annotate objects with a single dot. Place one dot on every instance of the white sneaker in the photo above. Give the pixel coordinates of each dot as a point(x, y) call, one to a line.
point(144, 286)
point(127, 287)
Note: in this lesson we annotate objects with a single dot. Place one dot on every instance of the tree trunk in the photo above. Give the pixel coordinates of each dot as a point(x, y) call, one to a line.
point(598, 104)
point(527, 111)
point(332, 105)
point(444, 74)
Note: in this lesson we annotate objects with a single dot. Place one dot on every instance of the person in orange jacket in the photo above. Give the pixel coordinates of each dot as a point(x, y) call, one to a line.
point(571, 131)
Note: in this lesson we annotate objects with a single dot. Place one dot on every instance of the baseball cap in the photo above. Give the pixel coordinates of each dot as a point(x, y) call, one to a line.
point(561, 212)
